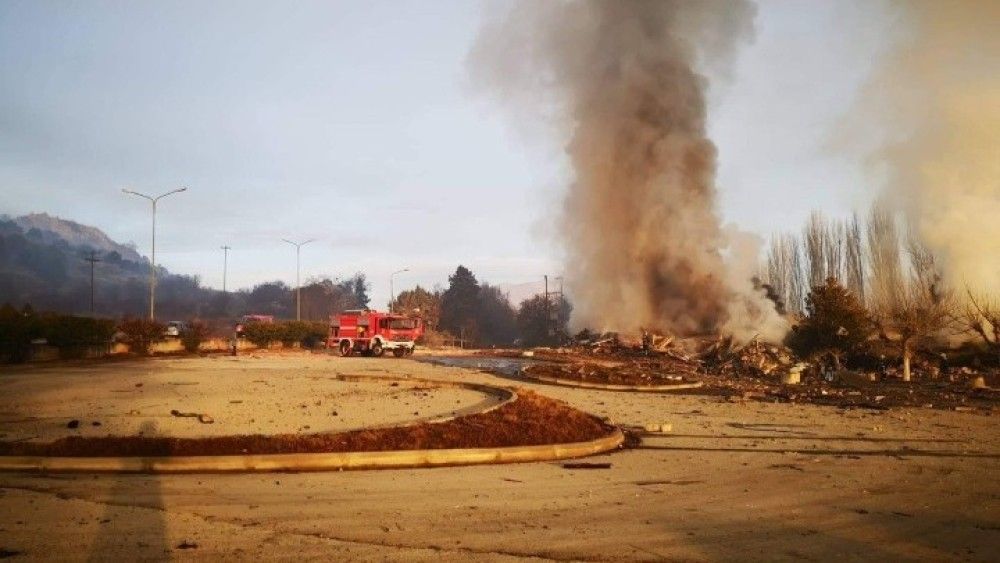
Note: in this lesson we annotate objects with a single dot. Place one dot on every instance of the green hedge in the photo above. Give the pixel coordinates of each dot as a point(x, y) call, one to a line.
point(307, 334)
point(141, 333)
point(192, 337)
point(71, 335)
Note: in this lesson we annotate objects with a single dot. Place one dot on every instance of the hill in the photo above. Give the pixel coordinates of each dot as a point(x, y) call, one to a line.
point(53, 229)
point(42, 264)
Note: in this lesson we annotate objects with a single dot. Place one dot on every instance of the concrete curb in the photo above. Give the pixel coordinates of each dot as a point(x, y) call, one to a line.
point(338, 461)
point(313, 462)
point(609, 386)
point(506, 395)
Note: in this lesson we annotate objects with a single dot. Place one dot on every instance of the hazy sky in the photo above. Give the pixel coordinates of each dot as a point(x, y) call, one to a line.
point(354, 123)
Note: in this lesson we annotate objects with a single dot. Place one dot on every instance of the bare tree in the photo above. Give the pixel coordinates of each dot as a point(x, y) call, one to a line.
point(982, 317)
point(833, 249)
point(919, 307)
point(816, 245)
point(825, 241)
point(883, 258)
point(799, 286)
point(784, 272)
point(777, 268)
point(854, 259)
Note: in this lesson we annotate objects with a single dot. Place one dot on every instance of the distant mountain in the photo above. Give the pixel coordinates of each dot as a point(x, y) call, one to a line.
point(43, 264)
point(53, 229)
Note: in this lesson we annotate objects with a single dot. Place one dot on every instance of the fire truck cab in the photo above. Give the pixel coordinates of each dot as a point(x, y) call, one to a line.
point(372, 332)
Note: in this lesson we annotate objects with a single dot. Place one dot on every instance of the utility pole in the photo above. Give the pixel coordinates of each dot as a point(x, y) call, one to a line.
point(225, 265)
point(559, 308)
point(152, 267)
point(298, 286)
point(93, 259)
point(548, 328)
point(392, 293)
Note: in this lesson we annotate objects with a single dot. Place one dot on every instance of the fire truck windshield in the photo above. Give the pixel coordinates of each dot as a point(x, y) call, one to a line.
point(403, 324)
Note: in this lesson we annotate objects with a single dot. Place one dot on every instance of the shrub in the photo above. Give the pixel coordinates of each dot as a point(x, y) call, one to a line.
point(308, 334)
point(17, 330)
point(260, 334)
point(194, 335)
point(433, 338)
point(73, 335)
point(836, 324)
point(140, 334)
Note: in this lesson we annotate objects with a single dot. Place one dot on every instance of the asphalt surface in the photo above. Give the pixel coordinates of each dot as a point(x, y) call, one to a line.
point(731, 481)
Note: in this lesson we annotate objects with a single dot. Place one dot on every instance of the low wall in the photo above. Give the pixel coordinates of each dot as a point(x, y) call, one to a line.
point(172, 345)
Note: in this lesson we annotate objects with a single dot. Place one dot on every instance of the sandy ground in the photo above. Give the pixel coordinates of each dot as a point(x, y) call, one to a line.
point(243, 395)
point(732, 481)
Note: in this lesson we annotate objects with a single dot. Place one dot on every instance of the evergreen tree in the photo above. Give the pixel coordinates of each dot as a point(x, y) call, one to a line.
point(427, 304)
point(459, 303)
point(540, 324)
point(495, 317)
point(360, 288)
point(836, 324)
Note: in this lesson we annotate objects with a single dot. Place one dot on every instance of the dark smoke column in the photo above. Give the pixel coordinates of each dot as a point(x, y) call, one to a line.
point(642, 235)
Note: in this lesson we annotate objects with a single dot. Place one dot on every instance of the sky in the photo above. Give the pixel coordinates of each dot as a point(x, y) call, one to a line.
point(354, 123)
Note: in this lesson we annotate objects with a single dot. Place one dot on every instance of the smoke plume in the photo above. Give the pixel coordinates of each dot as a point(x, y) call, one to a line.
point(937, 97)
point(618, 78)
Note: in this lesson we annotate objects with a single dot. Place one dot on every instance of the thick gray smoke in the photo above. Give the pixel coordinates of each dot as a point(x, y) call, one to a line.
point(642, 235)
point(937, 95)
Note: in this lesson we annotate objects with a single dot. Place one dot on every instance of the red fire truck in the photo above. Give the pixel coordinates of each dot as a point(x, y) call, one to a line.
point(373, 332)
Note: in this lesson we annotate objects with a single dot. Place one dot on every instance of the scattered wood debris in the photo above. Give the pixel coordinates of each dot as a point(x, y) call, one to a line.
point(583, 465)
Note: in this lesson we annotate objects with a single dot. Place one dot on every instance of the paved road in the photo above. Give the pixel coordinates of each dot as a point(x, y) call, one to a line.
point(731, 481)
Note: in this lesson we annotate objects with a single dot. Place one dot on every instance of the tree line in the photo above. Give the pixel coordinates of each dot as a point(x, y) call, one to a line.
point(851, 286)
point(478, 313)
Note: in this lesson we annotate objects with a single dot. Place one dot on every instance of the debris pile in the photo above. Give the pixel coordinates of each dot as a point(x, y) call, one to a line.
point(635, 373)
point(755, 359)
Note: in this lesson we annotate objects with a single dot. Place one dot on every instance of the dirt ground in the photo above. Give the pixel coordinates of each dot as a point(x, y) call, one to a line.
point(242, 395)
point(745, 480)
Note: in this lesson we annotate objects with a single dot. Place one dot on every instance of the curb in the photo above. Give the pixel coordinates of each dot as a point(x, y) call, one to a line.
point(505, 395)
point(610, 386)
point(313, 462)
point(336, 461)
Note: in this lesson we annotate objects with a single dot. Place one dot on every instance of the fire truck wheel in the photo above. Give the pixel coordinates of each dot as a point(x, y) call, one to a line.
point(399, 352)
point(377, 349)
point(409, 351)
point(345, 349)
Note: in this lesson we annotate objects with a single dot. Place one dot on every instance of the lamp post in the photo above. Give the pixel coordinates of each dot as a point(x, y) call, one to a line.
point(298, 286)
point(392, 293)
point(152, 269)
point(225, 264)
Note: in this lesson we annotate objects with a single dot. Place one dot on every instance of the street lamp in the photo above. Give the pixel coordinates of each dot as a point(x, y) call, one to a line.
point(298, 287)
point(392, 294)
point(152, 269)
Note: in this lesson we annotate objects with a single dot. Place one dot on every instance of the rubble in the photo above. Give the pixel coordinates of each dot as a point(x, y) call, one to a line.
point(755, 359)
point(759, 371)
point(202, 417)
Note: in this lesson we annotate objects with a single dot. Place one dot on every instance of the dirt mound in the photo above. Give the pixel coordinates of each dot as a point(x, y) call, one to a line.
point(530, 420)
